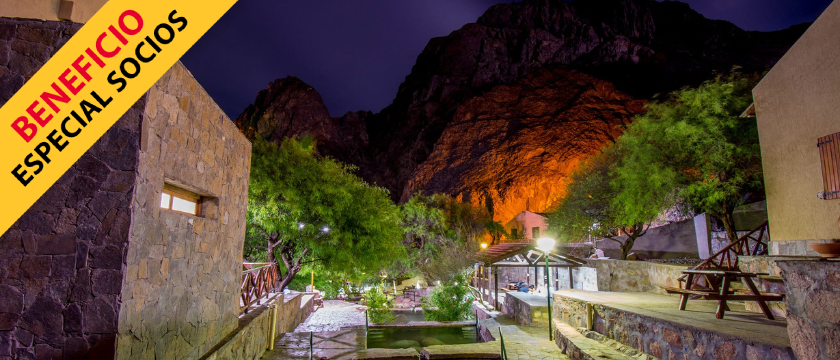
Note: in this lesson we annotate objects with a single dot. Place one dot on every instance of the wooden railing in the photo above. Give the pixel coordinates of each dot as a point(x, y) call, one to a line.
point(751, 244)
point(258, 279)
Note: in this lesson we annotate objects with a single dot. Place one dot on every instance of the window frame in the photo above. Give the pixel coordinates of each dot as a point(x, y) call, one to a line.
point(829, 149)
point(173, 192)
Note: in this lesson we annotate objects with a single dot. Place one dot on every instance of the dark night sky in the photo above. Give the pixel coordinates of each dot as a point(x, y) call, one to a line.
point(356, 53)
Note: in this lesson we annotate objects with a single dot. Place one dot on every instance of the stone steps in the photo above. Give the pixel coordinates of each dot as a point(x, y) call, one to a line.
point(580, 347)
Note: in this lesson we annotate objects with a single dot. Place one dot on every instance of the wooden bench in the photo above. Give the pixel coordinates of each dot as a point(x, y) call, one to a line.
point(724, 292)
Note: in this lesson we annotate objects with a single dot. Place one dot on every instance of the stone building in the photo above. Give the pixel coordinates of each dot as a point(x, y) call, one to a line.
point(136, 251)
point(796, 106)
point(78, 11)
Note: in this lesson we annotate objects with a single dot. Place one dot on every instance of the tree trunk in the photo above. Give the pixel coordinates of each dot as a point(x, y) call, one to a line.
point(292, 265)
point(272, 244)
point(729, 224)
point(637, 231)
point(285, 280)
point(627, 246)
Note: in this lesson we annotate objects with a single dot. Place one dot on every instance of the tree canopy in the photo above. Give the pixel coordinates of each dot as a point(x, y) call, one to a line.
point(304, 208)
point(693, 147)
point(441, 235)
point(588, 207)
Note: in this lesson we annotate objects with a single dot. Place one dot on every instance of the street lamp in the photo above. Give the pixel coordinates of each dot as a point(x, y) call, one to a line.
point(546, 244)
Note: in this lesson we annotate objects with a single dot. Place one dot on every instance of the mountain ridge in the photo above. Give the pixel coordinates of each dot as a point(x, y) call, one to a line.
point(640, 47)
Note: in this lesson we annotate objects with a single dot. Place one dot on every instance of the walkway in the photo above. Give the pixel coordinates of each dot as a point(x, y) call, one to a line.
point(521, 343)
point(335, 315)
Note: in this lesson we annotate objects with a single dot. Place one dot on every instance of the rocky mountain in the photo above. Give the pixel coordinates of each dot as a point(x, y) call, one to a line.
point(500, 110)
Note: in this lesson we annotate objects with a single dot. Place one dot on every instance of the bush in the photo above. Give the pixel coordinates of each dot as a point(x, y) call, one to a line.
point(450, 301)
point(331, 289)
point(379, 306)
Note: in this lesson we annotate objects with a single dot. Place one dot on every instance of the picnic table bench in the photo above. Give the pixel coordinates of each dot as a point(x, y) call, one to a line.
point(410, 291)
point(723, 292)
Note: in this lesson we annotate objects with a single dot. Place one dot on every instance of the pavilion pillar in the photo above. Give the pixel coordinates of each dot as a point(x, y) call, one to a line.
point(496, 287)
point(571, 282)
point(481, 283)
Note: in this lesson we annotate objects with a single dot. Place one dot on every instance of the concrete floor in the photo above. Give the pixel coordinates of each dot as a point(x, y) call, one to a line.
point(698, 313)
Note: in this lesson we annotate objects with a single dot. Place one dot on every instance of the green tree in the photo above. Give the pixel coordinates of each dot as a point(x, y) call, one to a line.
point(441, 235)
point(693, 147)
point(496, 231)
point(303, 208)
point(588, 207)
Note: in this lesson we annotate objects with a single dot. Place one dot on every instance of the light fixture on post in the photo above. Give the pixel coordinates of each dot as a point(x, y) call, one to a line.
point(546, 244)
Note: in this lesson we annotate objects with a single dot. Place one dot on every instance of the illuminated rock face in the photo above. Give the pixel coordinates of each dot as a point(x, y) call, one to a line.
point(477, 117)
point(513, 147)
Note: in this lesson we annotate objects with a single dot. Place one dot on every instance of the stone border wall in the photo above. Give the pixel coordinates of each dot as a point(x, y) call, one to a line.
point(636, 276)
point(660, 338)
point(250, 339)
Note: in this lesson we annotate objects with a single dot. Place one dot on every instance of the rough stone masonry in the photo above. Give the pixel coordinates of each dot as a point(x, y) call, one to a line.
point(96, 268)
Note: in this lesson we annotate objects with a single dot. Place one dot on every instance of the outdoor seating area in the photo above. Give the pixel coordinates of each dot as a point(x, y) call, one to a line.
point(721, 288)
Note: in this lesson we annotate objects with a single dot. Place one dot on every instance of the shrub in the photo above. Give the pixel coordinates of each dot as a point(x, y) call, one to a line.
point(379, 306)
point(450, 301)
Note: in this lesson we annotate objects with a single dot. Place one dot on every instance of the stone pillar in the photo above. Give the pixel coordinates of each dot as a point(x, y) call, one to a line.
point(813, 307)
point(703, 231)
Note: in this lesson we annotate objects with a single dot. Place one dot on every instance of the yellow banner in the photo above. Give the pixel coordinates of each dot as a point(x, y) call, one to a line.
point(87, 86)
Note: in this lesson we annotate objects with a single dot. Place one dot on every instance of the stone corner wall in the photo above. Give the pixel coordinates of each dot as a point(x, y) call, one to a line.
point(61, 263)
point(524, 313)
point(813, 307)
point(181, 284)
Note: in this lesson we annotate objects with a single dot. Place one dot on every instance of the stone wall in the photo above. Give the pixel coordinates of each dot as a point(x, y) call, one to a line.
point(250, 340)
point(636, 276)
point(61, 263)
point(660, 338)
point(772, 283)
point(526, 309)
point(583, 278)
point(181, 285)
point(813, 307)
point(293, 310)
point(796, 247)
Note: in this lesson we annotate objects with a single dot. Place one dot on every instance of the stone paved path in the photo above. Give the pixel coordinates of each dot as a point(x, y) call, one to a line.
point(333, 316)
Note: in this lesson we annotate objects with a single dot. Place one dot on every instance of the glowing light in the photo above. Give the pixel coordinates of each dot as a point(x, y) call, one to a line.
point(326, 229)
point(546, 244)
point(483, 245)
point(300, 226)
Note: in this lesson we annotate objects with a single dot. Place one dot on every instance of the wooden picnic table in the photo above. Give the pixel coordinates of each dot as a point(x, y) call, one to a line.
point(412, 291)
point(723, 292)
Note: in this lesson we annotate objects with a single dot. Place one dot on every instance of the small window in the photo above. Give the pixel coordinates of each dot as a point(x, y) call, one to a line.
point(180, 200)
point(829, 147)
point(514, 234)
point(536, 232)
